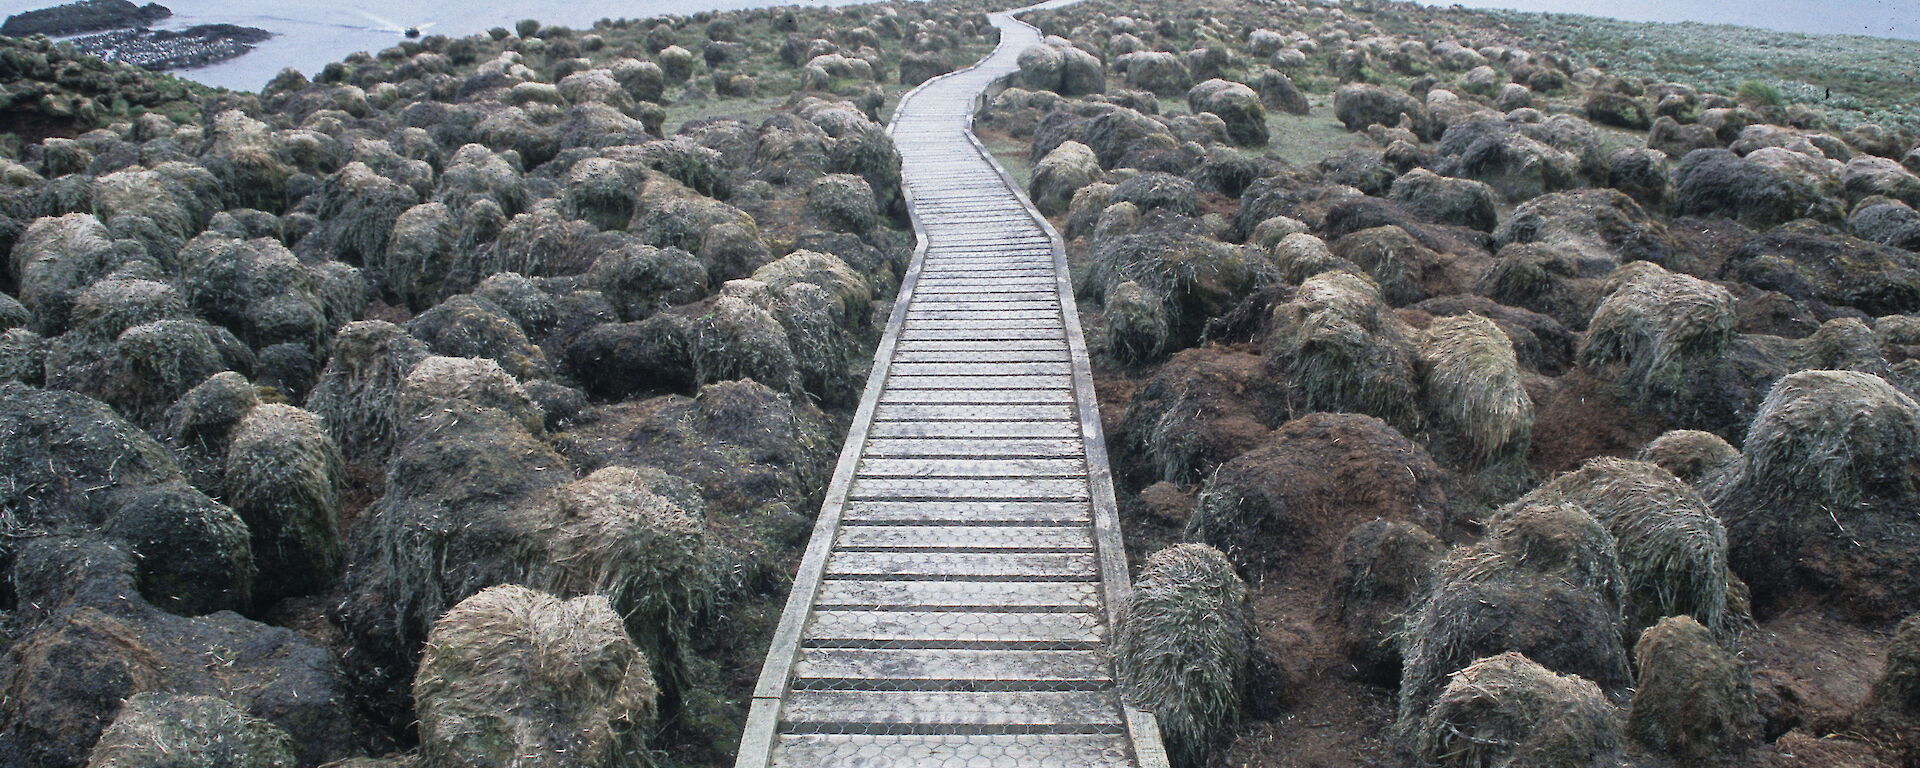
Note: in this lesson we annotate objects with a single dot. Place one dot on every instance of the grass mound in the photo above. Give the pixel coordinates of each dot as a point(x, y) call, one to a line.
point(1385, 566)
point(1690, 454)
point(620, 537)
point(358, 392)
point(511, 672)
point(1821, 496)
point(1185, 646)
point(1672, 549)
point(284, 477)
point(1341, 349)
point(1290, 501)
point(1473, 386)
point(1544, 584)
point(164, 730)
point(1506, 710)
point(1692, 699)
point(1654, 330)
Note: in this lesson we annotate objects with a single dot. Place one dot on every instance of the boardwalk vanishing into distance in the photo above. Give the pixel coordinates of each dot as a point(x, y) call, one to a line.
point(955, 605)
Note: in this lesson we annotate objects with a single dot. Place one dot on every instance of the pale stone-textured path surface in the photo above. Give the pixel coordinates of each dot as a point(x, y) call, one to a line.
point(956, 602)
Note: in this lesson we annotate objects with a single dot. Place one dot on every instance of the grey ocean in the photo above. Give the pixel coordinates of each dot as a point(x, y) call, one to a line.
point(1876, 18)
point(310, 33)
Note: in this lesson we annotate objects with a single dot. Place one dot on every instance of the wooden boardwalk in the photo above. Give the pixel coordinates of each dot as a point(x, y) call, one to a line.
point(955, 604)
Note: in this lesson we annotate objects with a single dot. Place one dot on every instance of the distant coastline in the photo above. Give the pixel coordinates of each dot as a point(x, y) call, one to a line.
point(118, 30)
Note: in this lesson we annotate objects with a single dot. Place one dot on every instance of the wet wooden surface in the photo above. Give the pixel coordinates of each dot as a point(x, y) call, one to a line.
point(955, 604)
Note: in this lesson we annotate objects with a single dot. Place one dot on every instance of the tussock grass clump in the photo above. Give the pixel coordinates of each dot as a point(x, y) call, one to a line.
point(155, 363)
point(264, 294)
point(164, 730)
point(177, 197)
point(358, 390)
point(1672, 549)
point(642, 279)
point(23, 357)
point(511, 673)
point(1473, 386)
point(1185, 647)
point(1690, 454)
point(1059, 176)
point(1341, 349)
point(620, 535)
point(65, 454)
point(419, 255)
point(461, 512)
point(604, 192)
point(1822, 495)
point(1200, 409)
point(54, 260)
point(689, 163)
point(467, 326)
point(738, 337)
point(1137, 328)
point(1236, 104)
point(1396, 261)
point(1657, 328)
point(435, 381)
point(1385, 566)
point(475, 172)
point(356, 208)
point(241, 154)
point(1545, 582)
point(1292, 499)
point(194, 555)
point(1692, 699)
point(1898, 689)
point(844, 202)
point(824, 351)
point(851, 294)
point(284, 477)
point(1507, 710)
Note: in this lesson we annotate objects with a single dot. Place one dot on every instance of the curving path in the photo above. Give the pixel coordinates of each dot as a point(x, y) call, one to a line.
point(956, 600)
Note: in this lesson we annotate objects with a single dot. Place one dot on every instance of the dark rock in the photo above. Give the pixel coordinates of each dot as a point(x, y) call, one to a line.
point(83, 16)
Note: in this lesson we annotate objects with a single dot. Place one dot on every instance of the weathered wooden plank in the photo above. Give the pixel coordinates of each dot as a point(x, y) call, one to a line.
point(879, 447)
point(976, 429)
point(1049, 750)
point(948, 595)
point(967, 512)
point(896, 395)
point(1055, 566)
point(953, 629)
point(974, 412)
point(1050, 344)
point(1008, 381)
point(910, 368)
point(974, 330)
point(952, 664)
point(968, 488)
point(1060, 538)
point(1037, 316)
point(1005, 711)
point(916, 354)
point(872, 466)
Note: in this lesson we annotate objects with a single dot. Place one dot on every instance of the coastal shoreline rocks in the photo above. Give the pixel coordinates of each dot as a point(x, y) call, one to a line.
point(119, 31)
